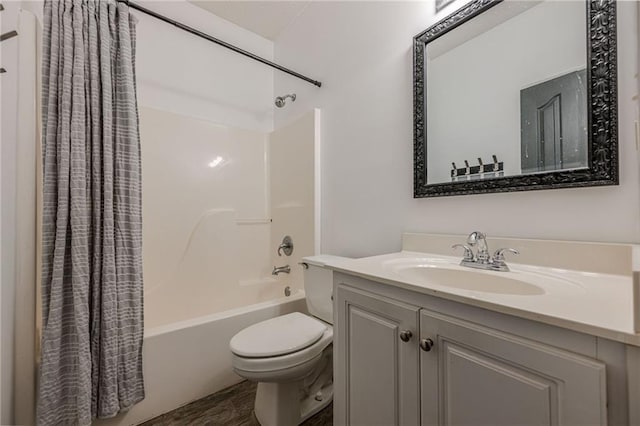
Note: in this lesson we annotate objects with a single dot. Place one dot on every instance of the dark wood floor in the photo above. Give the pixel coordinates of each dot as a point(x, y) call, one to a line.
point(229, 407)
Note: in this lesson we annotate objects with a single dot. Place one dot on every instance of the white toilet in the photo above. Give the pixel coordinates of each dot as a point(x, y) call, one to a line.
point(291, 356)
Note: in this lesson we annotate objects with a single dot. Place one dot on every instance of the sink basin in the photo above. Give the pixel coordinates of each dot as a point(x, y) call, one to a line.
point(468, 280)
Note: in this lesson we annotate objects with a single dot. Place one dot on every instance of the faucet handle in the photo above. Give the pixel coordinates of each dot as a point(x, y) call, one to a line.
point(498, 255)
point(468, 253)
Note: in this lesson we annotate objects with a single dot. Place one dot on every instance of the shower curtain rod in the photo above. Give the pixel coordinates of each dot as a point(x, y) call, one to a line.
point(219, 42)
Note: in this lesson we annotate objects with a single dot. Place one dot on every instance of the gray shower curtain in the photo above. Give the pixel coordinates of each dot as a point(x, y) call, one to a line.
point(91, 356)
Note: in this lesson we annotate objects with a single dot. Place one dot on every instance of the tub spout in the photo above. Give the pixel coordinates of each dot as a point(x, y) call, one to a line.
point(280, 269)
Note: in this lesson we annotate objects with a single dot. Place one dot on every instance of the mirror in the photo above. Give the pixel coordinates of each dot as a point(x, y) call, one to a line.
point(509, 97)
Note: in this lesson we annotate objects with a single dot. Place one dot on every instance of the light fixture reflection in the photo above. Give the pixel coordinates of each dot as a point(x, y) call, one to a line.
point(216, 162)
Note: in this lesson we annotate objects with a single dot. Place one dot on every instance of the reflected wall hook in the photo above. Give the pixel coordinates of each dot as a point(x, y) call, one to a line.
point(481, 171)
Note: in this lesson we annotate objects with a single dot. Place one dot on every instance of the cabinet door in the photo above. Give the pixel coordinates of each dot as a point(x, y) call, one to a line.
point(376, 370)
point(475, 375)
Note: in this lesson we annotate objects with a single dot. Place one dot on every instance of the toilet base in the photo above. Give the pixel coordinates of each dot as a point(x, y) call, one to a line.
point(312, 405)
point(291, 403)
point(279, 404)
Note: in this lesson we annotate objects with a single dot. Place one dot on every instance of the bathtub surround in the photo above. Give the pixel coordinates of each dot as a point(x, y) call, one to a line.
point(294, 160)
point(212, 177)
point(91, 356)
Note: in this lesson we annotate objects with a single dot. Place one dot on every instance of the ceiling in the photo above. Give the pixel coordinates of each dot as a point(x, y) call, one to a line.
point(266, 18)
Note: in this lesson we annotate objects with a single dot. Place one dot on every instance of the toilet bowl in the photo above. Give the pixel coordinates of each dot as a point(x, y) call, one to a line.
point(291, 356)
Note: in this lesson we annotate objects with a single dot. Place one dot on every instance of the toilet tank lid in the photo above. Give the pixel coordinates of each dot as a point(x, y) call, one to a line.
point(322, 259)
point(277, 336)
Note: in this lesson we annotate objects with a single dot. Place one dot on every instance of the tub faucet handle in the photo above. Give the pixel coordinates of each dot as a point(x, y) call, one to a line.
point(286, 246)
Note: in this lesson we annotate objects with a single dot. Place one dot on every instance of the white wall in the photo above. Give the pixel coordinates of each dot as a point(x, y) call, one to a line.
point(362, 52)
point(477, 114)
point(182, 73)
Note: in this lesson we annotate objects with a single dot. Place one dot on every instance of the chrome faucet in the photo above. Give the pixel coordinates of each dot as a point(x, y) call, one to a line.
point(481, 259)
point(281, 269)
point(479, 239)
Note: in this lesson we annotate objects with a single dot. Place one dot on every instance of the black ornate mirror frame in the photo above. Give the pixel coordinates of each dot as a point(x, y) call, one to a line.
point(602, 110)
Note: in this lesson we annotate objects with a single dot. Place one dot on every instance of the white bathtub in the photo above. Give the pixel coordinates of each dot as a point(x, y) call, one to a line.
point(189, 359)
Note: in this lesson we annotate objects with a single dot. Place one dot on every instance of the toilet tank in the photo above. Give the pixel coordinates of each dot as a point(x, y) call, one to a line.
point(318, 288)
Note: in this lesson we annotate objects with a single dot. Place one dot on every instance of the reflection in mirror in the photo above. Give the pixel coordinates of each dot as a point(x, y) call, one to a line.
point(507, 93)
point(553, 124)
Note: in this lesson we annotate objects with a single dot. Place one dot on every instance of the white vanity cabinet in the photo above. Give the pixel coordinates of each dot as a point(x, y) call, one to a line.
point(468, 373)
point(474, 375)
point(378, 360)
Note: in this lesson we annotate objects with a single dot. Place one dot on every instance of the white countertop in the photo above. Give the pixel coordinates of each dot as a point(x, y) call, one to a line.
point(594, 303)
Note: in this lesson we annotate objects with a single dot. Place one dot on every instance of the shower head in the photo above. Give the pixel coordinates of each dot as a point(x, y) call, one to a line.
point(282, 100)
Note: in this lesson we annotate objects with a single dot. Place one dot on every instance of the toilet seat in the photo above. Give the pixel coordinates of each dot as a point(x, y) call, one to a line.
point(278, 336)
point(280, 347)
point(275, 364)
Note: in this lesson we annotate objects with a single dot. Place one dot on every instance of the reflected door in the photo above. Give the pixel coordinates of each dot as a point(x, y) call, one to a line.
point(554, 125)
point(549, 135)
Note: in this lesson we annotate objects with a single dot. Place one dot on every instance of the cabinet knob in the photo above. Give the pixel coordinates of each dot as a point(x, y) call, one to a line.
point(406, 335)
point(426, 344)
